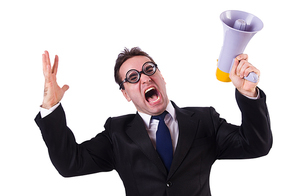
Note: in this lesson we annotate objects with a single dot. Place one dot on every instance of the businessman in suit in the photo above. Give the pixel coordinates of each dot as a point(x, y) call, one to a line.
point(131, 144)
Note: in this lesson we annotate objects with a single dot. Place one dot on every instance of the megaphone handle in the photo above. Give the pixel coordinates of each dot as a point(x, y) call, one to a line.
point(252, 77)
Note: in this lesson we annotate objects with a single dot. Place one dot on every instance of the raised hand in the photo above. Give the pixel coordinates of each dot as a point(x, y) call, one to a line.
point(241, 68)
point(53, 94)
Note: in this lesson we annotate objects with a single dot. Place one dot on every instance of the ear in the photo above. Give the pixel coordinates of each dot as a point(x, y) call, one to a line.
point(126, 95)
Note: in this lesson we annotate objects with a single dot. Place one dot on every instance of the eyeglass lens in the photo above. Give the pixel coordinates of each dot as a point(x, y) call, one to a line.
point(133, 75)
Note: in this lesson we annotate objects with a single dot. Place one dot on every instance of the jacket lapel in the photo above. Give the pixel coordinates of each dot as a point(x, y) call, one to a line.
point(187, 131)
point(138, 133)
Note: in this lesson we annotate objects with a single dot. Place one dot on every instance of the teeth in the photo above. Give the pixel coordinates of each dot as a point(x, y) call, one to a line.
point(149, 89)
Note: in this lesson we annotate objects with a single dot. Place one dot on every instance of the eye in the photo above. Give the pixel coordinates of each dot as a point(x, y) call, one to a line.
point(133, 77)
point(149, 69)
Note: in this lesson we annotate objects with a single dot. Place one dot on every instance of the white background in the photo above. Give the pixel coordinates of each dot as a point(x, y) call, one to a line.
point(184, 38)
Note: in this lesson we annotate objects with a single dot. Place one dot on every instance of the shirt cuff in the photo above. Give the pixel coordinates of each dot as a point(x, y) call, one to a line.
point(254, 98)
point(45, 112)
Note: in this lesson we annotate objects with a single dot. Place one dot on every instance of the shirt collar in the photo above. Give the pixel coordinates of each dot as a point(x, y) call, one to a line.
point(146, 117)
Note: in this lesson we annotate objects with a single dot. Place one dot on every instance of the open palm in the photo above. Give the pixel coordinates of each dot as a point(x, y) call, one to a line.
point(53, 93)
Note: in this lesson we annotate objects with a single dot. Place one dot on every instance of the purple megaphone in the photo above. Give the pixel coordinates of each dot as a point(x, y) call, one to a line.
point(239, 27)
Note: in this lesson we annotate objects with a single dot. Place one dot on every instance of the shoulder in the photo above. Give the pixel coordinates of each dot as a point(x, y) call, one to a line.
point(199, 109)
point(203, 113)
point(120, 121)
point(206, 115)
point(195, 111)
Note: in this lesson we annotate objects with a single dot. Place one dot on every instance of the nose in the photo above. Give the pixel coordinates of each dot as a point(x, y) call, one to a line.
point(145, 79)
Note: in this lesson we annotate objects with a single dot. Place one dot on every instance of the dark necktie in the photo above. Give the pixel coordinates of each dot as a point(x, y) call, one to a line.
point(164, 145)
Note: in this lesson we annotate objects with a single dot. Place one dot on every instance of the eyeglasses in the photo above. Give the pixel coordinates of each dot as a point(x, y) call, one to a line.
point(133, 76)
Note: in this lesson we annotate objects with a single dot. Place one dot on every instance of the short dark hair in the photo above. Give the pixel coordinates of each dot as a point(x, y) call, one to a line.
point(125, 55)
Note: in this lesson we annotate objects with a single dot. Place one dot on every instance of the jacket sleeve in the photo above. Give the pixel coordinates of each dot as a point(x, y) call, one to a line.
point(68, 157)
point(250, 140)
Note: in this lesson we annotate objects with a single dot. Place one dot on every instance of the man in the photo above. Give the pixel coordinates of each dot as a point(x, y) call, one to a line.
point(136, 145)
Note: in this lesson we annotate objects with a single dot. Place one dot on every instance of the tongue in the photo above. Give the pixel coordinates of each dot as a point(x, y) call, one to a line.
point(152, 98)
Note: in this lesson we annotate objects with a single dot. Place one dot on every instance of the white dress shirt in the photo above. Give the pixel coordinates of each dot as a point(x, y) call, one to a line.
point(171, 122)
point(45, 112)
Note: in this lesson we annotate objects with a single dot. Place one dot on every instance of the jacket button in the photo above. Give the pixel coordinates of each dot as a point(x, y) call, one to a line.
point(169, 184)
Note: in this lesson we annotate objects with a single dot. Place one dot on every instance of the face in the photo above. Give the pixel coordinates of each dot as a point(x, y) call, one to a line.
point(149, 94)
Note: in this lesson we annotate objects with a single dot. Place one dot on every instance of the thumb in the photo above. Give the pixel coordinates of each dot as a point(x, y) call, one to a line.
point(65, 88)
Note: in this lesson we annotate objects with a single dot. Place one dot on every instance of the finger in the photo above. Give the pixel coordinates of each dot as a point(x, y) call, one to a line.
point(46, 73)
point(246, 69)
point(55, 65)
point(250, 69)
point(242, 57)
point(234, 67)
point(241, 68)
point(243, 64)
point(47, 57)
point(45, 61)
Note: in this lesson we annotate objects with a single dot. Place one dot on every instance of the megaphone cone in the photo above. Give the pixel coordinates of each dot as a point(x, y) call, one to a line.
point(239, 27)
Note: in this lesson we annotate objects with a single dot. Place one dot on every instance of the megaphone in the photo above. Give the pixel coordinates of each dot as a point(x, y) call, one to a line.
point(239, 27)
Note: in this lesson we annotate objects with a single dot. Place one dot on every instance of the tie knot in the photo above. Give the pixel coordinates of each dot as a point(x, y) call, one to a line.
point(161, 116)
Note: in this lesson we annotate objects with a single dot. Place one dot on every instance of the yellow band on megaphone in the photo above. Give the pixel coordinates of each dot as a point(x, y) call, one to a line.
point(222, 76)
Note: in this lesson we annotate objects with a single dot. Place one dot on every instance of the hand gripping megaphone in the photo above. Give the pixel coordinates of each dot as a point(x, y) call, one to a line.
point(239, 27)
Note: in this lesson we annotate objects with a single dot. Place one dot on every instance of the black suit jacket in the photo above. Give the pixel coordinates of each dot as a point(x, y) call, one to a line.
point(126, 147)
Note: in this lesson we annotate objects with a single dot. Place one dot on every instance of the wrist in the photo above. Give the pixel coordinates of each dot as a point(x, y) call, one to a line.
point(45, 112)
point(47, 105)
point(249, 93)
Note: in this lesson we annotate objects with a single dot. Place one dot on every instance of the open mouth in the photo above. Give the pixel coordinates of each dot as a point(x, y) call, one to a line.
point(152, 95)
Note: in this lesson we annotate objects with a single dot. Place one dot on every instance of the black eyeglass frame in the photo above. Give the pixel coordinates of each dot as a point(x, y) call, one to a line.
point(139, 74)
